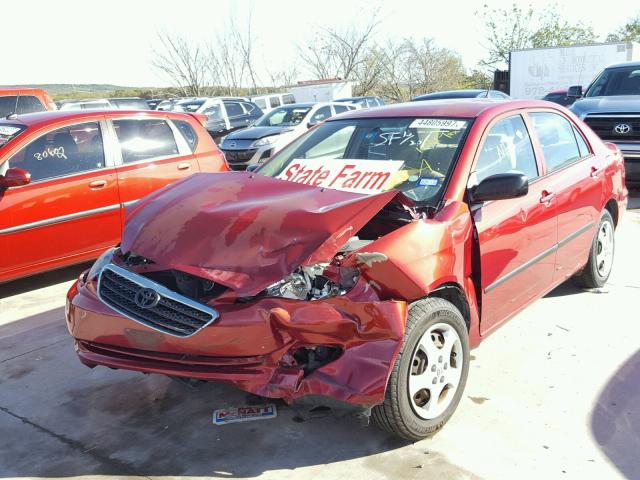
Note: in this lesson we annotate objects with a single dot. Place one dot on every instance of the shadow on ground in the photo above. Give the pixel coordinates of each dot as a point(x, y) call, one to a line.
point(81, 421)
point(615, 420)
point(42, 280)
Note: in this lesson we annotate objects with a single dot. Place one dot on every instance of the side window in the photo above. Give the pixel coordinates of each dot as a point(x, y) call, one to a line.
point(557, 139)
point(582, 144)
point(274, 102)
point(506, 148)
point(29, 104)
point(213, 112)
point(144, 139)
point(288, 99)
point(321, 114)
point(233, 109)
point(187, 132)
point(340, 109)
point(65, 151)
point(261, 102)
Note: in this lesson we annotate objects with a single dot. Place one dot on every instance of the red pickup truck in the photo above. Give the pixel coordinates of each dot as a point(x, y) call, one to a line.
point(359, 265)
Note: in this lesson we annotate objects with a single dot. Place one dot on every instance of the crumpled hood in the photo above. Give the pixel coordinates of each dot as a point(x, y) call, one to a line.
point(255, 133)
point(245, 230)
point(612, 104)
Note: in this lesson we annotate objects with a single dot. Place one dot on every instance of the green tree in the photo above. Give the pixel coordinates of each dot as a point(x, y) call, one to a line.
point(629, 32)
point(515, 28)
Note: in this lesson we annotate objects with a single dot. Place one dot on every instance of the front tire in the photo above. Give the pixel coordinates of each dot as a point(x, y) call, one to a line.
point(429, 374)
point(596, 273)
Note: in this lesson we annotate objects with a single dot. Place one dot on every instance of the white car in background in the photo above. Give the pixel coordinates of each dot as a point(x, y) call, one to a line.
point(274, 130)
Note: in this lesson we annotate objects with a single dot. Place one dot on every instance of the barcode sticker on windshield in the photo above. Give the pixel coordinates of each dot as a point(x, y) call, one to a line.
point(359, 176)
point(438, 123)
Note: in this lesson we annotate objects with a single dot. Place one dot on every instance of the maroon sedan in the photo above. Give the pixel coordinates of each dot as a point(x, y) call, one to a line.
point(358, 266)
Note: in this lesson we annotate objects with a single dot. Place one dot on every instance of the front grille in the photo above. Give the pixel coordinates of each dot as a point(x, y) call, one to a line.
point(235, 156)
point(168, 312)
point(605, 127)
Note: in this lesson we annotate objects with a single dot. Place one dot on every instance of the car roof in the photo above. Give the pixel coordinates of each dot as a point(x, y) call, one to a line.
point(43, 118)
point(624, 64)
point(448, 108)
point(349, 99)
point(22, 90)
point(462, 93)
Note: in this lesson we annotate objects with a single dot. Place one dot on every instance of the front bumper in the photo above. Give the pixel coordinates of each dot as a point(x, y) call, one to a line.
point(250, 345)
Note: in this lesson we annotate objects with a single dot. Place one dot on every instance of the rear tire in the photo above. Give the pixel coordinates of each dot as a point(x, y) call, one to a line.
point(598, 268)
point(429, 374)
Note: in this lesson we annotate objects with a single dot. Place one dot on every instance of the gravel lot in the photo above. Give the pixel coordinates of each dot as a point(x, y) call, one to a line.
point(555, 393)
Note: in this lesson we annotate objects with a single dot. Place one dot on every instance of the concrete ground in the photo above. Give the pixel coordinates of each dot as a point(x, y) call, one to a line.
point(555, 393)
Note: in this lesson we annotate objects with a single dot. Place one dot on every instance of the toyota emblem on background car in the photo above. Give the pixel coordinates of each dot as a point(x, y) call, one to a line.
point(147, 298)
point(622, 128)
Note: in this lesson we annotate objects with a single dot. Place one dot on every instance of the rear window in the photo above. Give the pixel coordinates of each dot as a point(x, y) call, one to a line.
point(288, 99)
point(20, 105)
point(188, 133)
point(10, 131)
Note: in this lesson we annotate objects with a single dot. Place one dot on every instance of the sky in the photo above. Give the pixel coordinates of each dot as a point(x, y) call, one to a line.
point(81, 41)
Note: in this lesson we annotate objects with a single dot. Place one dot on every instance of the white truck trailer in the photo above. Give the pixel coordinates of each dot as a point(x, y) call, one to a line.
point(321, 90)
point(534, 72)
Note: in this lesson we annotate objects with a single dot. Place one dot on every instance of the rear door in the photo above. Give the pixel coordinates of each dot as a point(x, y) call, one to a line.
point(150, 153)
point(576, 178)
point(70, 211)
point(516, 237)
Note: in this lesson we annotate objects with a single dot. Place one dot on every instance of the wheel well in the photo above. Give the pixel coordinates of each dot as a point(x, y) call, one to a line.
point(452, 292)
point(612, 207)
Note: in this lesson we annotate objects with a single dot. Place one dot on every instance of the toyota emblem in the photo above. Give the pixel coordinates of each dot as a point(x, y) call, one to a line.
point(147, 298)
point(622, 128)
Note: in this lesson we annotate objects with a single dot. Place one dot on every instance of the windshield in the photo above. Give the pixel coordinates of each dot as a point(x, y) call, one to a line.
point(283, 117)
point(413, 155)
point(190, 106)
point(616, 81)
point(9, 131)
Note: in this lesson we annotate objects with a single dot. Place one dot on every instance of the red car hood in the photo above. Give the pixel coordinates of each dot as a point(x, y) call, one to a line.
point(244, 230)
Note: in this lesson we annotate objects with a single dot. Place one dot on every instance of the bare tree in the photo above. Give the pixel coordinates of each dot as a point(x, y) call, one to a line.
point(338, 53)
point(186, 65)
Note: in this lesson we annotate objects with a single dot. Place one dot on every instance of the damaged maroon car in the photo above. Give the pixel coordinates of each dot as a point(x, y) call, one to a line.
point(357, 267)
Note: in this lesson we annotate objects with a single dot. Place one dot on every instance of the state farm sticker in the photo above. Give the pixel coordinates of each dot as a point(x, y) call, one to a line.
point(244, 414)
point(358, 176)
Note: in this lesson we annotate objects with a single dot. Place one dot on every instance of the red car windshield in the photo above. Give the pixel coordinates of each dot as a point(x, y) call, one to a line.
point(8, 131)
point(413, 155)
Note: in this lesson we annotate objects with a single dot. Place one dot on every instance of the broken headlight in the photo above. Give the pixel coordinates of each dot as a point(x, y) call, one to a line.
point(99, 264)
point(313, 282)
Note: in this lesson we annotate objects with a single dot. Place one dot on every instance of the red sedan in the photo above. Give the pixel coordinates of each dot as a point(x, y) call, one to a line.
point(360, 264)
point(67, 177)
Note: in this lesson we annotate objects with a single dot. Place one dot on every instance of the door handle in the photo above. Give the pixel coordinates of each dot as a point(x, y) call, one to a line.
point(97, 184)
point(547, 197)
point(184, 166)
point(595, 173)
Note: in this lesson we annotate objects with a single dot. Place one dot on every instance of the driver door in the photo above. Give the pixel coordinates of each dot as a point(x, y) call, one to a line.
point(71, 209)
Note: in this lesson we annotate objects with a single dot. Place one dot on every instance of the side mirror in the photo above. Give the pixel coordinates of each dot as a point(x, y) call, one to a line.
point(253, 167)
point(575, 91)
point(500, 187)
point(14, 177)
point(310, 124)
